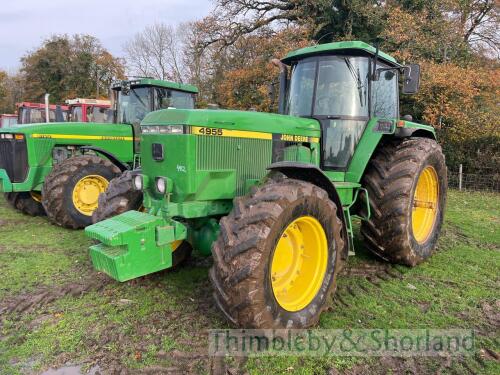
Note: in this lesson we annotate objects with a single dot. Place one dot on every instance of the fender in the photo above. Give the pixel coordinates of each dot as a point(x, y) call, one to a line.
point(314, 175)
point(412, 132)
point(408, 128)
point(112, 158)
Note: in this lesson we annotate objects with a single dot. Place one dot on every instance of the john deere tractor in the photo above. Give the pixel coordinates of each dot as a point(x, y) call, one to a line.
point(61, 168)
point(272, 196)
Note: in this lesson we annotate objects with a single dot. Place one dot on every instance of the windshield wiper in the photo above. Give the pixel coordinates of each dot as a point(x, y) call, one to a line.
point(357, 78)
point(138, 97)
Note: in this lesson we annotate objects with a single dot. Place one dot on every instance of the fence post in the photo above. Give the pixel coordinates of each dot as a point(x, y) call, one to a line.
point(460, 177)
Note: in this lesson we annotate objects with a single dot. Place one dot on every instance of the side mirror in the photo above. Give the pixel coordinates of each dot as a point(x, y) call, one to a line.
point(411, 79)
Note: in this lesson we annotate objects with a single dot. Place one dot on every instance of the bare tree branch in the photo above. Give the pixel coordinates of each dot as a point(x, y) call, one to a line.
point(156, 52)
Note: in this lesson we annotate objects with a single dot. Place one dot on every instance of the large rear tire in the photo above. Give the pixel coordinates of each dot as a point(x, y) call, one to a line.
point(120, 197)
point(406, 182)
point(26, 202)
point(71, 190)
point(277, 256)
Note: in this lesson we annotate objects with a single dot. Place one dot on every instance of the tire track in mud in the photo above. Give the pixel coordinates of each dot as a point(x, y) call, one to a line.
point(378, 273)
point(27, 302)
point(374, 273)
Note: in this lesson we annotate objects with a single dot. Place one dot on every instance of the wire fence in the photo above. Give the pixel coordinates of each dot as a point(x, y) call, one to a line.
point(485, 179)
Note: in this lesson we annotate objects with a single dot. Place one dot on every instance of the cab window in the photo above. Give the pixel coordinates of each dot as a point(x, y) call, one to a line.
point(342, 87)
point(301, 92)
point(37, 116)
point(134, 105)
point(165, 98)
point(76, 114)
point(385, 94)
point(97, 114)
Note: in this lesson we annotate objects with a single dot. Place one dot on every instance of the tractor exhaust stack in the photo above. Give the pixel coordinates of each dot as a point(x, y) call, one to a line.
point(47, 119)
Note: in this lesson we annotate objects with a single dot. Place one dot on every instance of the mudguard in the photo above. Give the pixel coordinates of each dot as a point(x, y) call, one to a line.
point(314, 175)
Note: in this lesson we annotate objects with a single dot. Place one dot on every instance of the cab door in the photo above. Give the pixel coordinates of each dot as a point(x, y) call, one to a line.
point(341, 104)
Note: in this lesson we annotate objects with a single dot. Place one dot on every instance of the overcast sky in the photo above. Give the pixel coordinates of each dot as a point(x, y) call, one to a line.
point(24, 24)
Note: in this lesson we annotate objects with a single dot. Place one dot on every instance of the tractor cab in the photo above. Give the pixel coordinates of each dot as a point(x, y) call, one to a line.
point(32, 113)
point(8, 120)
point(343, 85)
point(89, 110)
point(134, 99)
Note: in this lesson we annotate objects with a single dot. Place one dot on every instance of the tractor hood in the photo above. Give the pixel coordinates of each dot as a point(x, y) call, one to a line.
point(80, 130)
point(236, 120)
point(34, 148)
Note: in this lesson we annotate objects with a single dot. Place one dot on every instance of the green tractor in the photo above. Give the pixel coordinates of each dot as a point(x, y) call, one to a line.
point(272, 196)
point(59, 169)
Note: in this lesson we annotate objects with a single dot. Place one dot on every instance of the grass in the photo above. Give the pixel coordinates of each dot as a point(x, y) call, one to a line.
point(55, 310)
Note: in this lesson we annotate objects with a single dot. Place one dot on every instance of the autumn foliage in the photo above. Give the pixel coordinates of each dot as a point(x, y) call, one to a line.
point(246, 84)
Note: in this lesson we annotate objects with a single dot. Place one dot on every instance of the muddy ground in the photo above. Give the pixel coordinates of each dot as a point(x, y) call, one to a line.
point(56, 312)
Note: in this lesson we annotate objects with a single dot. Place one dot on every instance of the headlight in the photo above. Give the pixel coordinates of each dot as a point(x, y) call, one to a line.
point(160, 129)
point(161, 185)
point(7, 136)
point(138, 182)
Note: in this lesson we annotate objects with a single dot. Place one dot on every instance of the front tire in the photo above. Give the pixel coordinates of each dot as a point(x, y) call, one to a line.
point(120, 197)
point(27, 202)
point(277, 256)
point(406, 182)
point(71, 190)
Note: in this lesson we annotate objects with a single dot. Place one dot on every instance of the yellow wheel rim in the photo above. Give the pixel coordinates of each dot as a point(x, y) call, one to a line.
point(175, 245)
point(37, 197)
point(425, 204)
point(86, 193)
point(299, 263)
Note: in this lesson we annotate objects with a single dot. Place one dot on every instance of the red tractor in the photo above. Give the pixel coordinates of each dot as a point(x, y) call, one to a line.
point(7, 120)
point(89, 110)
point(31, 113)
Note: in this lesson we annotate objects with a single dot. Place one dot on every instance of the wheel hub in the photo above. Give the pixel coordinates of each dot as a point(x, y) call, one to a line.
point(425, 204)
point(86, 193)
point(299, 263)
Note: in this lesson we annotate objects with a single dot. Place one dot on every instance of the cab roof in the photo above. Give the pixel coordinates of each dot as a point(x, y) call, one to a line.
point(351, 46)
point(157, 82)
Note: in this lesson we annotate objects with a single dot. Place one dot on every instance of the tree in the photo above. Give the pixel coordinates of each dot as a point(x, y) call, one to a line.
point(461, 103)
point(3, 90)
point(47, 69)
point(478, 21)
point(69, 67)
point(11, 92)
point(325, 20)
point(91, 60)
point(245, 84)
point(156, 52)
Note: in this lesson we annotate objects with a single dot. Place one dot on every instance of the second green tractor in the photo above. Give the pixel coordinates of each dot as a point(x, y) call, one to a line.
point(272, 196)
point(59, 169)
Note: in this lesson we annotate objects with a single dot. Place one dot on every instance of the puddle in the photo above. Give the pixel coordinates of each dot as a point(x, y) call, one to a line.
point(71, 370)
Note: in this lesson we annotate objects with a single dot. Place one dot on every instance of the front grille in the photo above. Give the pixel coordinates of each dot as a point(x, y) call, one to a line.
point(249, 157)
point(14, 159)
